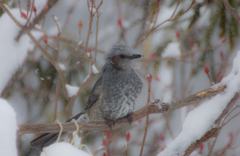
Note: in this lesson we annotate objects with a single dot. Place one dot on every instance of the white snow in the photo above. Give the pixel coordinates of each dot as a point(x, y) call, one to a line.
point(80, 42)
point(62, 149)
point(172, 50)
point(86, 78)
point(71, 90)
point(92, 9)
point(94, 69)
point(8, 130)
point(151, 25)
point(126, 24)
point(12, 53)
point(201, 119)
point(88, 54)
point(55, 17)
point(53, 31)
point(62, 66)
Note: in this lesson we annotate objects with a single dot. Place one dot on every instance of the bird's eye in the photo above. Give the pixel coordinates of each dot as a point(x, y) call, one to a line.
point(121, 56)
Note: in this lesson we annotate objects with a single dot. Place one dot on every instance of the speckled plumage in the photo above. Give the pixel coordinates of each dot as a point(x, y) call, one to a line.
point(118, 87)
point(113, 95)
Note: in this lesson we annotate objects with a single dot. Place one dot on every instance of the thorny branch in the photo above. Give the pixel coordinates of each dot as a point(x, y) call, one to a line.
point(101, 125)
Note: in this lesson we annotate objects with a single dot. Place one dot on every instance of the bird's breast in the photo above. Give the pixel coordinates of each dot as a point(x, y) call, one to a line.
point(120, 94)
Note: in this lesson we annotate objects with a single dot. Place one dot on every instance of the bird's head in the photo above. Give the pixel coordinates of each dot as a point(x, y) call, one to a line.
point(121, 57)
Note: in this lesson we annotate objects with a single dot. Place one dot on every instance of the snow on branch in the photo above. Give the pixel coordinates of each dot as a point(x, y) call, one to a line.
point(8, 130)
point(12, 53)
point(207, 116)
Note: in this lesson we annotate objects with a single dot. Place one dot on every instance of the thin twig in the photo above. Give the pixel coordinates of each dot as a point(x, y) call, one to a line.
point(214, 142)
point(20, 8)
point(96, 41)
point(170, 19)
point(25, 28)
point(29, 18)
point(58, 36)
point(56, 99)
point(50, 58)
point(232, 11)
point(147, 118)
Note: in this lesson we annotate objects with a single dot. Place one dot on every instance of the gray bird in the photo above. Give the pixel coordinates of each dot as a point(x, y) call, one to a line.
point(113, 96)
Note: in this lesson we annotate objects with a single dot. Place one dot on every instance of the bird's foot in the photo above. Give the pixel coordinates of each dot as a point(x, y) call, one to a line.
point(129, 117)
point(109, 122)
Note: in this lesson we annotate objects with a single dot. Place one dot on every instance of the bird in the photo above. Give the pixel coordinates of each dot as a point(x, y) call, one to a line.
point(112, 97)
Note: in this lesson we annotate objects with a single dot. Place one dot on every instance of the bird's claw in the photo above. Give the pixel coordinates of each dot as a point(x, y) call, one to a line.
point(129, 117)
point(109, 122)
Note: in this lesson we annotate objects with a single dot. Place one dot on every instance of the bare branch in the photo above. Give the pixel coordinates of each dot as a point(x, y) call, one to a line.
point(231, 10)
point(50, 4)
point(101, 125)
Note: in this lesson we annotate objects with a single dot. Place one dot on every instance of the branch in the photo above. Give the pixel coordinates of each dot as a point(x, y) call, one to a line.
point(34, 40)
point(214, 131)
point(232, 11)
point(50, 4)
point(101, 125)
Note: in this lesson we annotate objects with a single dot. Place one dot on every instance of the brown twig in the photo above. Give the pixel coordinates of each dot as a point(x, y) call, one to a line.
point(56, 99)
point(96, 41)
point(147, 118)
point(25, 28)
point(170, 19)
point(20, 8)
point(231, 10)
point(29, 18)
point(55, 18)
point(214, 131)
point(50, 58)
point(101, 125)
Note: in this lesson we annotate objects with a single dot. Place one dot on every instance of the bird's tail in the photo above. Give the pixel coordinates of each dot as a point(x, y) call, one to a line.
point(49, 138)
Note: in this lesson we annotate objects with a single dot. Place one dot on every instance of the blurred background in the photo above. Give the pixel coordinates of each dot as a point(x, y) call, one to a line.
point(195, 35)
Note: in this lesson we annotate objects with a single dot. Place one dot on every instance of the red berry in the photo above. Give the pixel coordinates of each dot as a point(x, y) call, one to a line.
point(104, 154)
point(128, 136)
point(44, 39)
point(139, 121)
point(163, 148)
point(206, 69)
point(157, 79)
point(34, 9)
point(120, 22)
point(23, 15)
point(153, 54)
point(201, 147)
point(221, 55)
point(149, 77)
point(80, 24)
point(177, 34)
point(162, 137)
point(224, 40)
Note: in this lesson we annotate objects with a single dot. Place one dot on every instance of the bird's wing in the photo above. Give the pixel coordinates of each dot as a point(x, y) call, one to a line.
point(94, 94)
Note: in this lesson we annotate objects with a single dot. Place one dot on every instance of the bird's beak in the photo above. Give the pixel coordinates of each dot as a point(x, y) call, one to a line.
point(136, 56)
